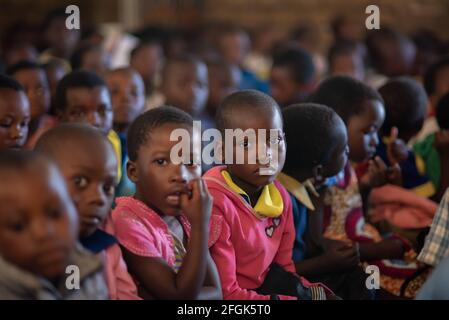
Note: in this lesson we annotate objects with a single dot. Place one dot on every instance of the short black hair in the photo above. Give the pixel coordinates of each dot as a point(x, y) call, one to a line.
point(405, 102)
point(7, 82)
point(24, 65)
point(298, 61)
point(442, 112)
point(184, 58)
point(140, 129)
point(345, 95)
point(341, 47)
point(431, 74)
point(50, 142)
point(144, 44)
point(75, 79)
point(76, 60)
point(310, 135)
point(244, 99)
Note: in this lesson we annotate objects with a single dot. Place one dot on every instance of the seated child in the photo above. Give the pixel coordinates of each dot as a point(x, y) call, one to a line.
point(128, 99)
point(38, 233)
point(33, 79)
point(362, 110)
point(318, 150)
point(185, 85)
point(223, 81)
point(293, 76)
point(90, 57)
point(434, 149)
point(90, 171)
point(436, 83)
point(83, 97)
point(252, 230)
point(345, 58)
point(405, 110)
point(14, 114)
point(163, 228)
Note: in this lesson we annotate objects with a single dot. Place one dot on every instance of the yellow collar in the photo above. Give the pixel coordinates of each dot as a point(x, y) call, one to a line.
point(270, 202)
point(298, 189)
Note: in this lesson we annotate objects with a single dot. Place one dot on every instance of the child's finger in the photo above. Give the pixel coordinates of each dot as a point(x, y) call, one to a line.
point(393, 134)
point(380, 164)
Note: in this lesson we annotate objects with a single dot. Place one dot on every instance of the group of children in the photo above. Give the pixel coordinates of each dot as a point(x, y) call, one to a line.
point(88, 182)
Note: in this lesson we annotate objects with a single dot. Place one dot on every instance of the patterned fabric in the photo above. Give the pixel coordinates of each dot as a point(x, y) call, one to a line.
point(436, 246)
point(180, 252)
point(344, 221)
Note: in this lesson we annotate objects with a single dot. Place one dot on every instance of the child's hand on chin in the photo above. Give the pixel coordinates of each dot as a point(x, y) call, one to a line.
point(196, 203)
point(376, 176)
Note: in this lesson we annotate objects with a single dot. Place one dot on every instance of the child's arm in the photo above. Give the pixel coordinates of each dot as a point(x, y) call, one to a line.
point(154, 273)
point(223, 253)
point(386, 249)
point(337, 257)
point(212, 287)
point(441, 143)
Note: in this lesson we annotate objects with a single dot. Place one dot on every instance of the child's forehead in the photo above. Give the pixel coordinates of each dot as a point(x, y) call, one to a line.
point(78, 93)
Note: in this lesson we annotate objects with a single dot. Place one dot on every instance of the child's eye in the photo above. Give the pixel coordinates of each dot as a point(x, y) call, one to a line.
point(17, 226)
point(54, 213)
point(109, 189)
point(78, 113)
point(80, 182)
point(245, 144)
point(276, 140)
point(161, 162)
point(6, 123)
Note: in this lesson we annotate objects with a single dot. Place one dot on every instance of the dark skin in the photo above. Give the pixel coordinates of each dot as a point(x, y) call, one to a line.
point(362, 134)
point(247, 175)
point(127, 96)
point(441, 143)
point(35, 83)
point(185, 85)
point(337, 255)
point(284, 88)
point(88, 105)
point(14, 119)
point(171, 189)
point(90, 171)
point(38, 229)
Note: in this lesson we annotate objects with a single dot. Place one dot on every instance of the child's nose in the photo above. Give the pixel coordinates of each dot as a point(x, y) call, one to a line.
point(41, 229)
point(94, 119)
point(16, 132)
point(179, 174)
point(97, 196)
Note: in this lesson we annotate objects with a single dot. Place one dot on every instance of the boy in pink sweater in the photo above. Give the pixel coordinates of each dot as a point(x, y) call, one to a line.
point(252, 230)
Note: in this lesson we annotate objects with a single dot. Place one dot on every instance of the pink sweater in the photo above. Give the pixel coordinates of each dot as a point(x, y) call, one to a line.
point(243, 245)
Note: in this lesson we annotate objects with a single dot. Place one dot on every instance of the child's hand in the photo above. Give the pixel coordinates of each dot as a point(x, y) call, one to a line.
point(379, 174)
point(196, 203)
point(342, 255)
point(397, 151)
point(376, 175)
point(441, 141)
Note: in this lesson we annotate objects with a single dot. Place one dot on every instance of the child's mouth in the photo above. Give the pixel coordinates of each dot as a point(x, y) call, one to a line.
point(174, 199)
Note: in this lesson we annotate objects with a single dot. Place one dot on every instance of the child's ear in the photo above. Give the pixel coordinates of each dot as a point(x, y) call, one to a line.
point(318, 175)
point(132, 171)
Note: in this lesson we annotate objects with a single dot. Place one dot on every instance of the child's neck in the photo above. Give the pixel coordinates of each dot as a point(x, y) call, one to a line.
point(121, 127)
point(252, 191)
point(298, 175)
